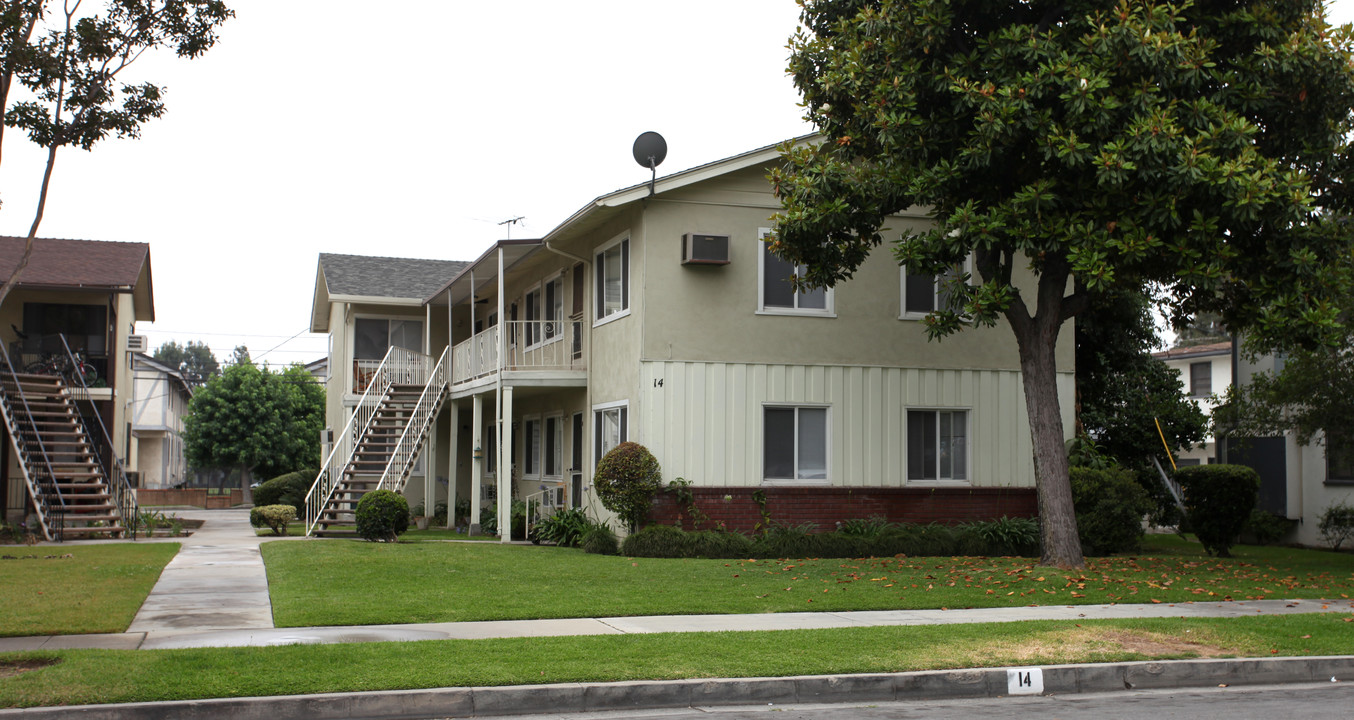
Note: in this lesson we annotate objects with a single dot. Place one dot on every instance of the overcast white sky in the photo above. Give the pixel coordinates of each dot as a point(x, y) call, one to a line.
point(350, 127)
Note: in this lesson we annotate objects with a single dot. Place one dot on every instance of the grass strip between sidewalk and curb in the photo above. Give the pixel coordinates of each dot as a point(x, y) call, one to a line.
point(75, 589)
point(343, 582)
point(76, 677)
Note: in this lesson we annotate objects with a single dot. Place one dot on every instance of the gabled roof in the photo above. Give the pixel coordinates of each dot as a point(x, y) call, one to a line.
point(377, 280)
point(1217, 348)
point(61, 264)
point(144, 361)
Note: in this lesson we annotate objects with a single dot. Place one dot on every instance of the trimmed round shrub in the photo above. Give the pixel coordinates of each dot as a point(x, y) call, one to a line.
point(290, 489)
point(600, 540)
point(1110, 505)
point(1218, 502)
point(656, 541)
point(382, 515)
point(627, 479)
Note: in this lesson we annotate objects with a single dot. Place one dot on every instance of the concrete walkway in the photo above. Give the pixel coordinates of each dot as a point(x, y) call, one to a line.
point(214, 593)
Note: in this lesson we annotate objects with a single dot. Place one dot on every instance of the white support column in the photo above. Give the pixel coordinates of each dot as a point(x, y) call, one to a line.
point(476, 464)
point(454, 427)
point(505, 470)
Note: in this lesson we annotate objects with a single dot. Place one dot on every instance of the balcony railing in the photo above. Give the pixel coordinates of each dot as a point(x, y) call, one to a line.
point(542, 345)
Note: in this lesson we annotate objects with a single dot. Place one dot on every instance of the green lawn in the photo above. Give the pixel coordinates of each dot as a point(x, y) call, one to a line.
point(105, 676)
point(333, 582)
point(70, 589)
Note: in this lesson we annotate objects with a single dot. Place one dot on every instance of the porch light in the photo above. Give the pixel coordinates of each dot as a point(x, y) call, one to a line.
point(479, 454)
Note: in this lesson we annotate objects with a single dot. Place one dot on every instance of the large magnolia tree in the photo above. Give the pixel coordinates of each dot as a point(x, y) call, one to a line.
point(1196, 145)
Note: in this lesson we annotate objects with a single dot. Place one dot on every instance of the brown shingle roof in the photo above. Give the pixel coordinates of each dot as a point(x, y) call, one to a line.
point(75, 263)
point(1217, 348)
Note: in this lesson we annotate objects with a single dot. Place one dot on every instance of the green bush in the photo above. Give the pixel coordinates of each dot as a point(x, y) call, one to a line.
point(718, 544)
point(1266, 528)
point(657, 541)
point(600, 540)
point(1218, 500)
point(1005, 536)
point(1337, 524)
point(1110, 505)
point(779, 540)
point(871, 527)
point(290, 489)
point(274, 517)
point(627, 479)
point(565, 528)
point(382, 515)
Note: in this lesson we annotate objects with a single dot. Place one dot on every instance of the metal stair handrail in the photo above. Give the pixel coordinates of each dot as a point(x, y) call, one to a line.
point(114, 473)
point(50, 515)
point(398, 365)
point(424, 413)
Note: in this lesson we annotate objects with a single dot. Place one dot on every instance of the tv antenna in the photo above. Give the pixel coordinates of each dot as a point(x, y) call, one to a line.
point(650, 150)
point(510, 222)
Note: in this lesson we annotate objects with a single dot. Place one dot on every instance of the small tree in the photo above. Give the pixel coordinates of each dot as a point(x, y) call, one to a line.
point(257, 420)
point(1337, 524)
point(627, 479)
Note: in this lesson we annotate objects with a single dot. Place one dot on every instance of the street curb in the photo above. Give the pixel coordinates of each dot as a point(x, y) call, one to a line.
point(636, 695)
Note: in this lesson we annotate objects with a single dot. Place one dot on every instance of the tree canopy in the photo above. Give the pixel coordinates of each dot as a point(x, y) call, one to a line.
point(194, 359)
point(267, 422)
point(71, 60)
point(1196, 145)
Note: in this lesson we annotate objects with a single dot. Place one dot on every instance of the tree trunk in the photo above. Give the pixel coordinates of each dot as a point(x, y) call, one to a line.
point(1037, 338)
point(245, 490)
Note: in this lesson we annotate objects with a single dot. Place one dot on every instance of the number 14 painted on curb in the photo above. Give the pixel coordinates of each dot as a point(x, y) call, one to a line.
point(1024, 681)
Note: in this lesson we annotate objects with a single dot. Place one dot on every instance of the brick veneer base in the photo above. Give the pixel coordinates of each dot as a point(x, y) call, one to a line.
point(738, 510)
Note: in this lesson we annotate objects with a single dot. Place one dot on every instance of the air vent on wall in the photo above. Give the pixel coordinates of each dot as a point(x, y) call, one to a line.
point(705, 249)
point(136, 343)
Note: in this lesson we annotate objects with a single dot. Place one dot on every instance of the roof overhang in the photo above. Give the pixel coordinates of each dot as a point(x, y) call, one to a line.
point(484, 271)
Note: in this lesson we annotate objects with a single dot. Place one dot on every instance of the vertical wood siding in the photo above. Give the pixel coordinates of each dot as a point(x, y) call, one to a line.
point(703, 421)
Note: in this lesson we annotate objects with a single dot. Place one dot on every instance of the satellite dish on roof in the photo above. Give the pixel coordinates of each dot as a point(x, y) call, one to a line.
point(650, 150)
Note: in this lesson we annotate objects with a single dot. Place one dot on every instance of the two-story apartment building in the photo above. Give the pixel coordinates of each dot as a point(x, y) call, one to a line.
point(1206, 371)
point(658, 316)
point(159, 404)
point(65, 443)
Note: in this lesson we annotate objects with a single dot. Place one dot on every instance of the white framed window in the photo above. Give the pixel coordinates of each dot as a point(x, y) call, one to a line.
point(553, 457)
point(921, 295)
point(609, 426)
point(794, 444)
point(775, 293)
point(1201, 379)
point(613, 280)
point(531, 463)
point(1339, 458)
point(937, 446)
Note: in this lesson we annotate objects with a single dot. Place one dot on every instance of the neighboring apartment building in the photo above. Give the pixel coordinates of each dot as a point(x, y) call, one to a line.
point(1296, 481)
point(92, 294)
point(1206, 371)
point(662, 318)
point(159, 403)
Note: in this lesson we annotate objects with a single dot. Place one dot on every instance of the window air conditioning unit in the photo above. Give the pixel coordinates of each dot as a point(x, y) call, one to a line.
point(705, 249)
point(136, 343)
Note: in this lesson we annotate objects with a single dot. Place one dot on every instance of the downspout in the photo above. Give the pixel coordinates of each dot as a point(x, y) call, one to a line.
point(587, 353)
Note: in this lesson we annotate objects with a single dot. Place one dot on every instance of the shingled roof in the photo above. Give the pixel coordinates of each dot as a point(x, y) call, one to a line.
point(76, 263)
point(353, 278)
point(60, 264)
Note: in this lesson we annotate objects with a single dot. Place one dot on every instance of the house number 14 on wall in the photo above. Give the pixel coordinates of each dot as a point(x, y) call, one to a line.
point(658, 382)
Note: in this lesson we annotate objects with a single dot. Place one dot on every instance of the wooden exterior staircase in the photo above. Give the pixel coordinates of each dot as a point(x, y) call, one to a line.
point(377, 449)
point(66, 480)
